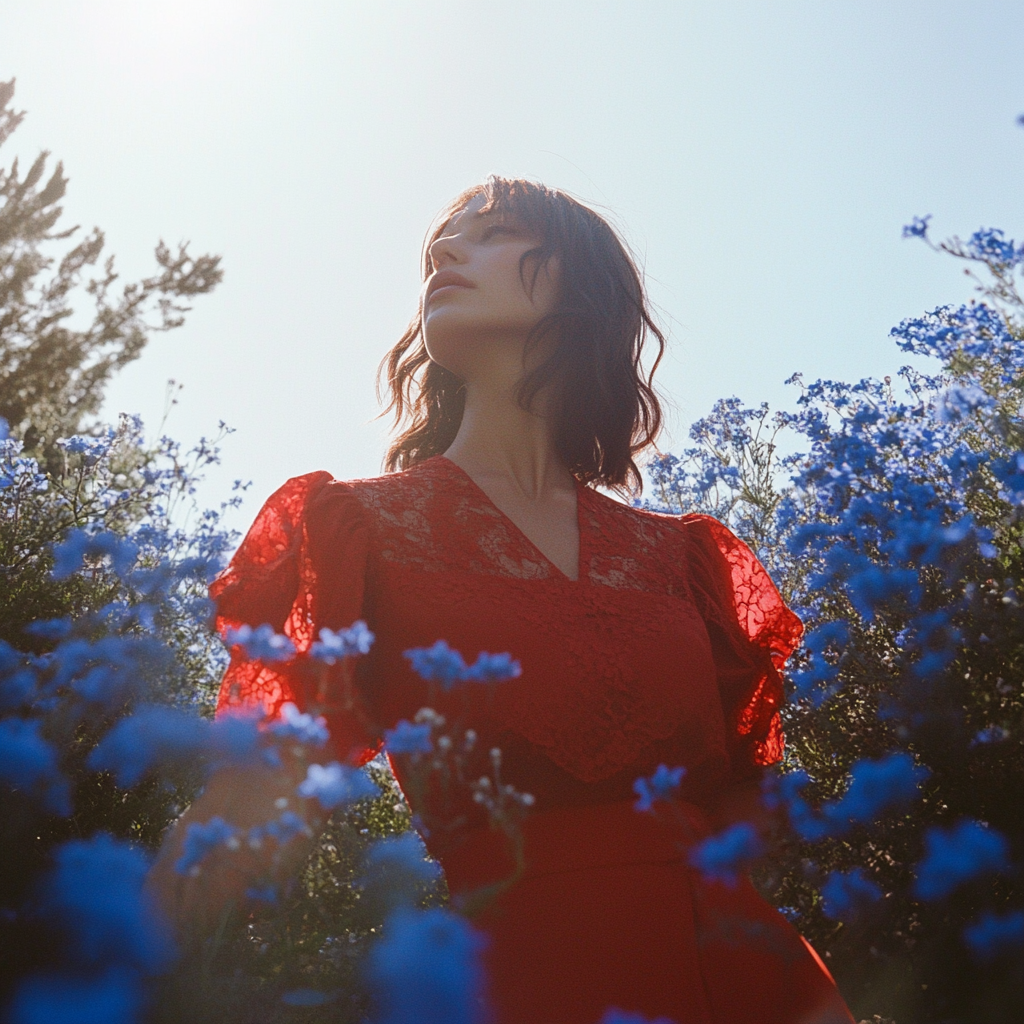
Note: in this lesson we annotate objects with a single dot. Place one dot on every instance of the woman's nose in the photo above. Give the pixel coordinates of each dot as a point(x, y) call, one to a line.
point(445, 250)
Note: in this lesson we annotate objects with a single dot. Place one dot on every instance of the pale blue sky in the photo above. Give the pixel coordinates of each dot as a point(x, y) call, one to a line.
point(760, 157)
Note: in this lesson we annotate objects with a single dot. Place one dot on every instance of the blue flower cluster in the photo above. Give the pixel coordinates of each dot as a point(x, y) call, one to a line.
point(345, 643)
point(844, 893)
point(103, 691)
point(428, 969)
point(875, 788)
point(261, 643)
point(409, 738)
point(722, 857)
point(662, 785)
point(440, 664)
point(993, 934)
point(335, 784)
point(892, 526)
point(114, 939)
point(958, 855)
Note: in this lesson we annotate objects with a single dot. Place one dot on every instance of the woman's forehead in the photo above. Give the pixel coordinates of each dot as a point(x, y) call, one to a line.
point(469, 212)
point(480, 207)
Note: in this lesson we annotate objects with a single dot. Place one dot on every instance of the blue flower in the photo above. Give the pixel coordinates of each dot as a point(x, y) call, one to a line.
point(346, 643)
point(662, 785)
point(427, 968)
point(990, 246)
point(50, 629)
point(954, 856)
point(235, 737)
point(493, 668)
point(296, 725)
point(262, 643)
point(28, 762)
point(992, 934)
point(721, 857)
point(786, 791)
point(80, 545)
point(114, 996)
point(917, 228)
point(438, 663)
point(844, 893)
point(876, 586)
point(405, 855)
point(336, 784)
point(395, 872)
point(283, 829)
point(961, 402)
point(874, 787)
point(92, 448)
point(95, 892)
point(990, 734)
point(154, 734)
point(200, 839)
point(407, 738)
point(616, 1016)
point(16, 687)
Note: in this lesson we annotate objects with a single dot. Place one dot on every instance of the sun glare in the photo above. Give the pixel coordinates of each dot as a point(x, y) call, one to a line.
point(158, 39)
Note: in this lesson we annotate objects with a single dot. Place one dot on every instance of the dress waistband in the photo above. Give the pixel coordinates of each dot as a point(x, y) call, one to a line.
point(566, 839)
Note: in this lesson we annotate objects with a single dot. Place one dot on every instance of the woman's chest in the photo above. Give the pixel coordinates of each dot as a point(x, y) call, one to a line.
point(605, 670)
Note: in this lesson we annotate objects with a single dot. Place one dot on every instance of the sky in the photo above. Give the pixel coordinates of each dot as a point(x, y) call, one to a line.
point(760, 158)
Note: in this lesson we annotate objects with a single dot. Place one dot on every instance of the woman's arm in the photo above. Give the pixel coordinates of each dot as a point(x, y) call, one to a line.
point(196, 902)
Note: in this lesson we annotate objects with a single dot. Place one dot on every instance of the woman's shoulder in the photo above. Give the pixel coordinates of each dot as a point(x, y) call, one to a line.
point(391, 498)
point(321, 488)
point(632, 522)
point(374, 507)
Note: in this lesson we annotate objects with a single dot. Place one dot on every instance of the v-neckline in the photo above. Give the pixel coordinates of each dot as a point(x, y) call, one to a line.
point(514, 526)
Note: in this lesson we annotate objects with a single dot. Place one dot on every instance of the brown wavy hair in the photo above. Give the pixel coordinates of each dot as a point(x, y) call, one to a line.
point(605, 408)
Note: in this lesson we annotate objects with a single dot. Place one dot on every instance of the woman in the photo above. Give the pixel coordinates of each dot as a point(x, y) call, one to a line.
point(644, 639)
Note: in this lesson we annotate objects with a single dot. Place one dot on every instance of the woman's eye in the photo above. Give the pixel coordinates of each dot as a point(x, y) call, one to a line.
point(495, 229)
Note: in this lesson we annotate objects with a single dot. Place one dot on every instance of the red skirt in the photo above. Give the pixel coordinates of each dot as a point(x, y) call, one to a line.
point(609, 914)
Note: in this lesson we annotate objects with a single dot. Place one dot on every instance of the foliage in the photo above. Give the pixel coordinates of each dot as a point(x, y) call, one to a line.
point(115, 590)
point(896, 533)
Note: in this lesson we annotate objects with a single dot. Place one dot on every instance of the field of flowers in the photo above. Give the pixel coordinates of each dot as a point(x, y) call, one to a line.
point(895, 531)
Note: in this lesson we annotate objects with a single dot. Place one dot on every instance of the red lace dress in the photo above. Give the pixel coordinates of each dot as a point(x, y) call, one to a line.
point(666, 650)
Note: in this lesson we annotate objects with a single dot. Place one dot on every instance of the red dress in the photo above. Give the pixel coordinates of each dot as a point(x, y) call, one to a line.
point(666, 650)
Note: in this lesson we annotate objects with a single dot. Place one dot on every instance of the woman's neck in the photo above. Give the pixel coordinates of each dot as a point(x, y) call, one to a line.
point(500, 442)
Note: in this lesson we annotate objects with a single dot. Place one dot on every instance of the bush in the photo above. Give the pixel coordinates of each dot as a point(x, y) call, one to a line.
point(896, 535)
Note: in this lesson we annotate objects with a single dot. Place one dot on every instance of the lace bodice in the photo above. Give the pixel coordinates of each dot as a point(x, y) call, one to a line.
point(667, 648)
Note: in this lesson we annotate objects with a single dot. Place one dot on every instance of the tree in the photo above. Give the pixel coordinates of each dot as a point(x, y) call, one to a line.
point(52, 375)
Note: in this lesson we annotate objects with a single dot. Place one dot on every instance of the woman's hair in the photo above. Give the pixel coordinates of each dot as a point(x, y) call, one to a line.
point(605, 409)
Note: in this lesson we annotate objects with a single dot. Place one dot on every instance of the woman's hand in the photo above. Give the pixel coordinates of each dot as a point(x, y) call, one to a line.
point(196, 902)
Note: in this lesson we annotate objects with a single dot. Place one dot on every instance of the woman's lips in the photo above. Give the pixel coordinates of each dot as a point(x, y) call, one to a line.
point(445, 288)
point(446, 281)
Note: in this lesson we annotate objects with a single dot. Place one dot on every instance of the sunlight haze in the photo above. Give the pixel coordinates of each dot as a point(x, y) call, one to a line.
point(760, 158)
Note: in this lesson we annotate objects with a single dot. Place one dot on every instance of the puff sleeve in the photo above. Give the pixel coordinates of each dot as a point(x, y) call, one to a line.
point(752, 634)
point(300, 568)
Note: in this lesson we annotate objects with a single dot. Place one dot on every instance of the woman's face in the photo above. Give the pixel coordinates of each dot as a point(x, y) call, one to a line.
point(477, 310)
